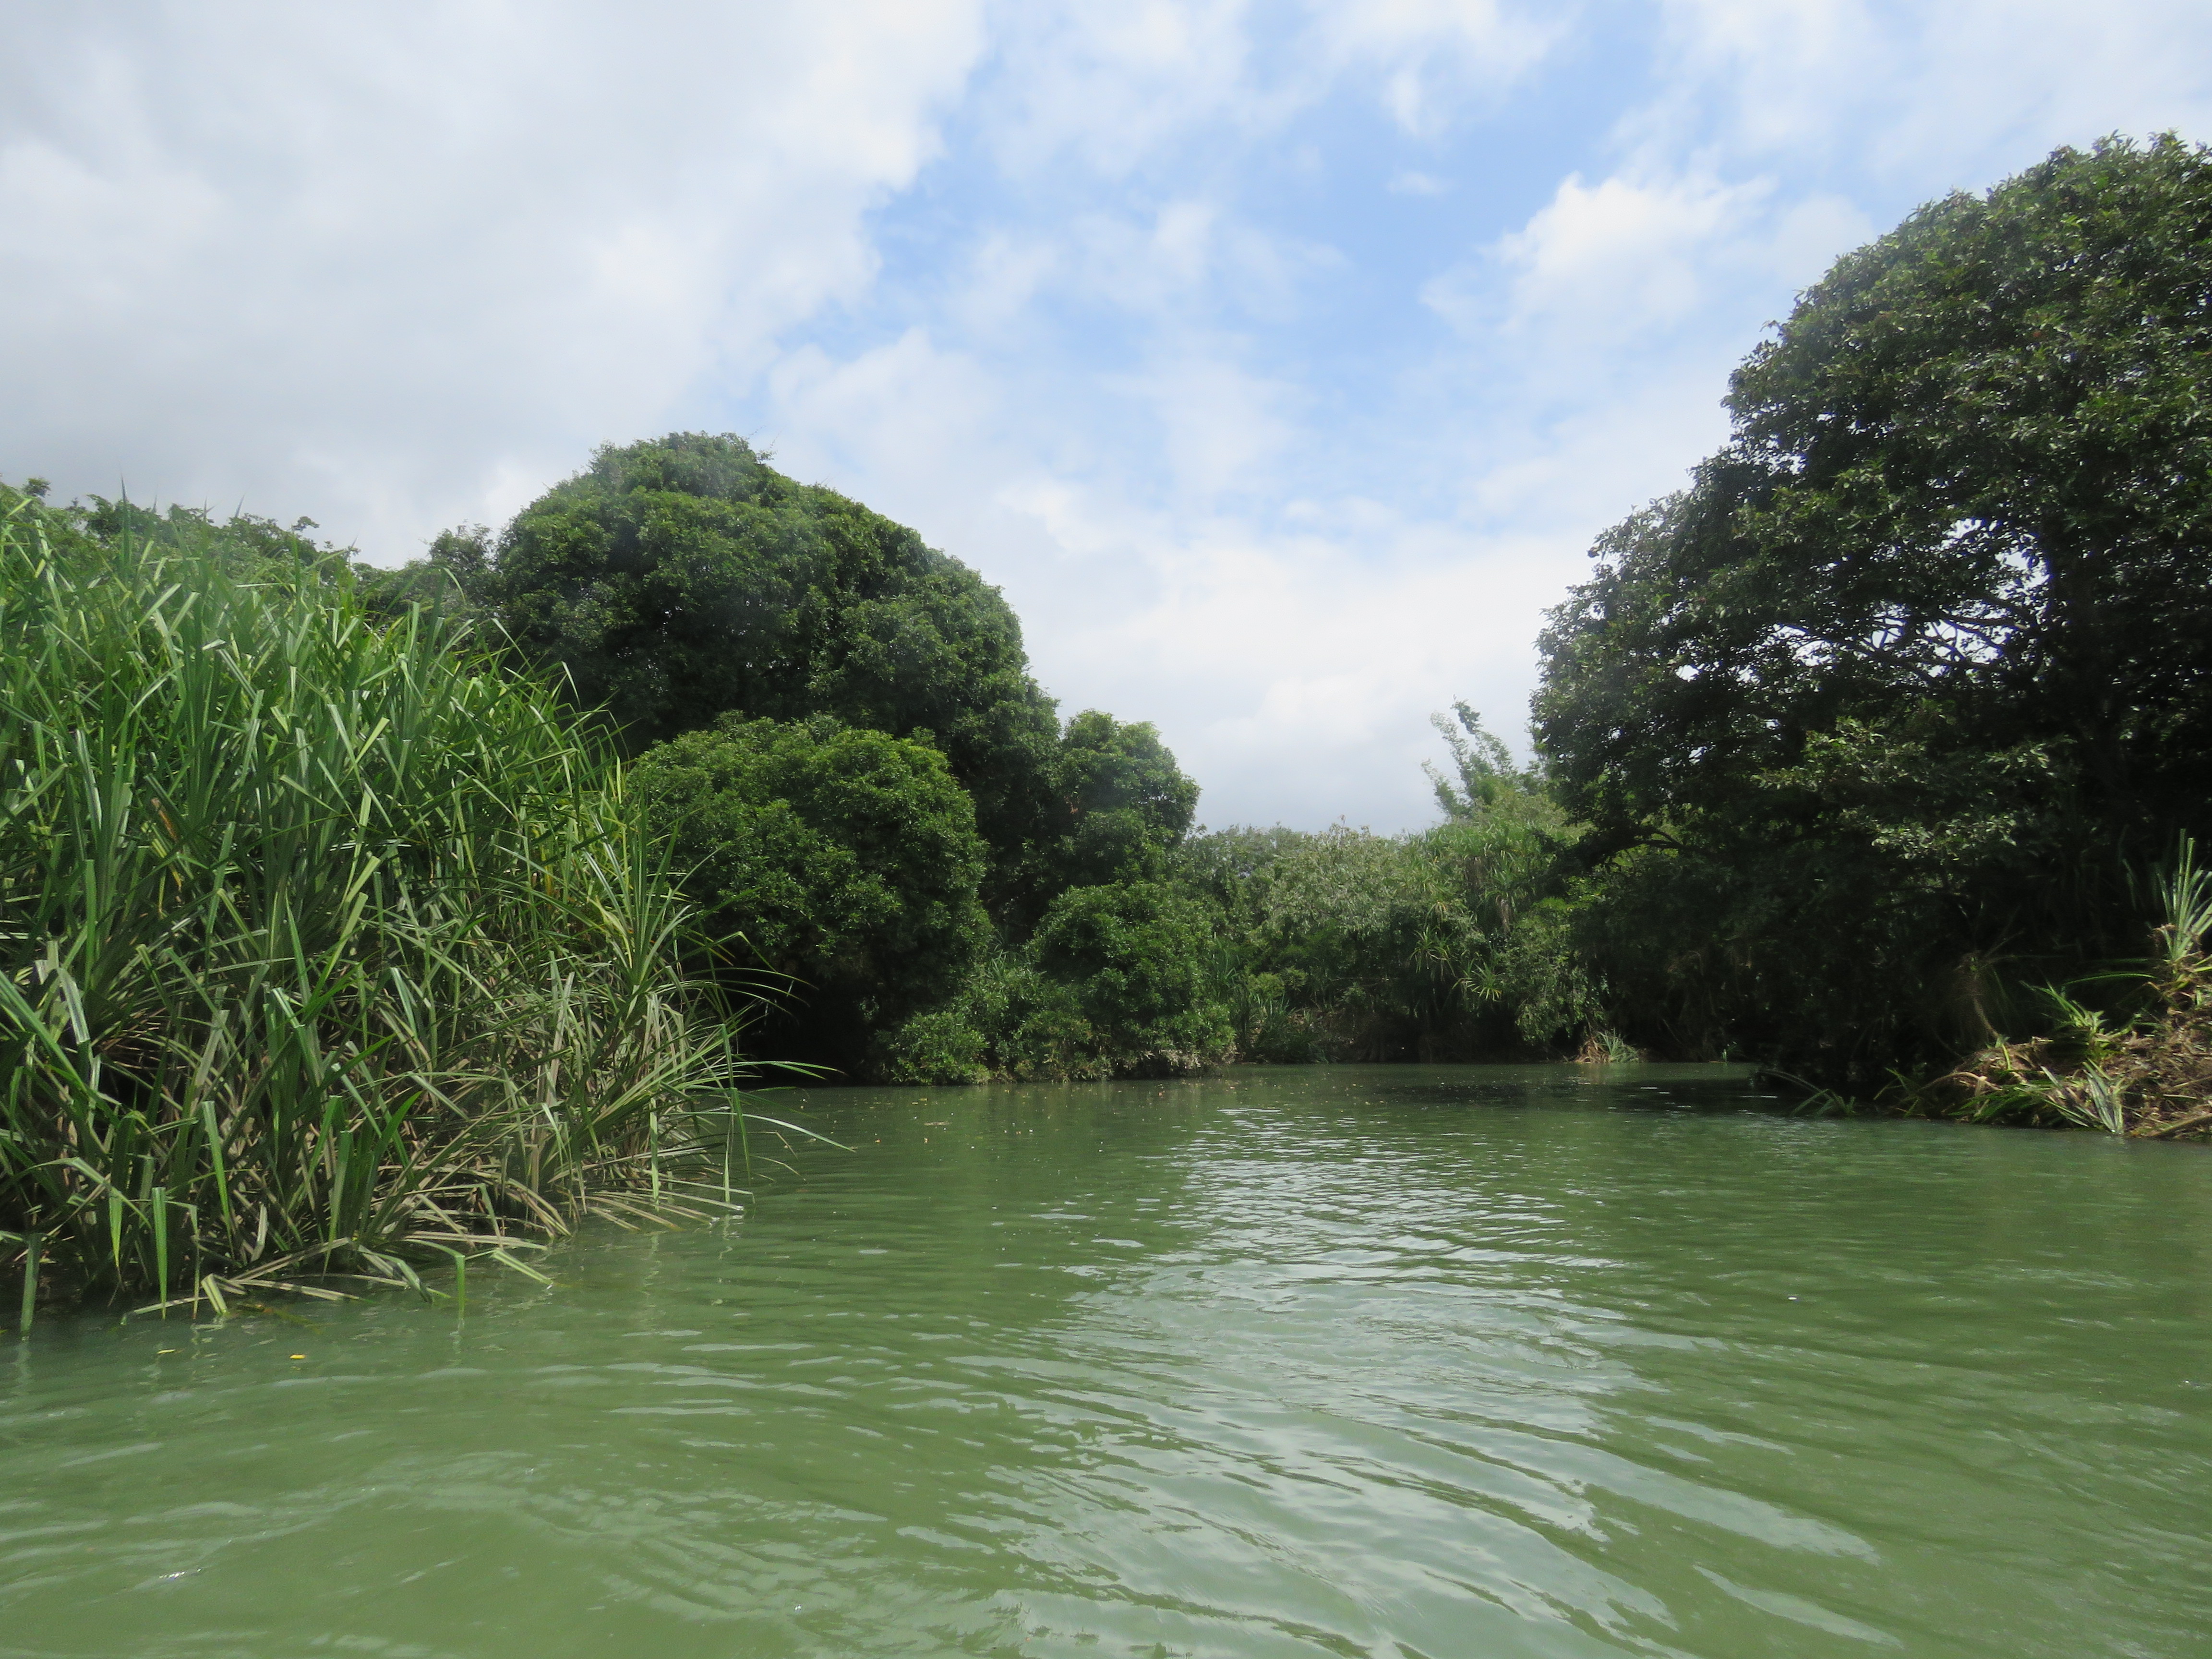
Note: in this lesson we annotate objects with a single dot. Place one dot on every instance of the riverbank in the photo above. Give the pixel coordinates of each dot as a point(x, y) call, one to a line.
point(2128, 1053)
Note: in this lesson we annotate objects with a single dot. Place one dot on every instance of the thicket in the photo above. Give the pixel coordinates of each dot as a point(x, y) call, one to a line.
point(844, 864)
point(837, 737)
point(1874, 728)
point(1449, 944)
point(324, 951)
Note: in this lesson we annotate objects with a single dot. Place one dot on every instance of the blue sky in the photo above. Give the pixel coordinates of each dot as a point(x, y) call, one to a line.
point(1279, 361)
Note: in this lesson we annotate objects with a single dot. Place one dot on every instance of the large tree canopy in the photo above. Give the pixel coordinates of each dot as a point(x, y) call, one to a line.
point(1925, 655)
point(683, 578)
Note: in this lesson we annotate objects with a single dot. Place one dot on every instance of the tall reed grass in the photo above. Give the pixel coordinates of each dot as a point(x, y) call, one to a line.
point(324, 951)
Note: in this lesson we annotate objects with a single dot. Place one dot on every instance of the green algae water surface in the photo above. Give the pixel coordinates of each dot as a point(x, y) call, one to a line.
point(1466, 1361)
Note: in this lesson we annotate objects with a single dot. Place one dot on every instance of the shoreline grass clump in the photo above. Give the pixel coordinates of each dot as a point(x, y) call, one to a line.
point(2146, 1071)
point(325, 950)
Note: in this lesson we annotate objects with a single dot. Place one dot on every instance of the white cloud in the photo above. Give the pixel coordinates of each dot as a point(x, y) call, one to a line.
point(377, 260)
point(1224, 427)
point(1119, 87)
point(1005, 272)
point(1933, 94)
point(908, 410)
point(1622, 255)
point(1434, 56)
point(1613, 289)
point(1114, 85)
point(1293, 674)
point(1187, 258)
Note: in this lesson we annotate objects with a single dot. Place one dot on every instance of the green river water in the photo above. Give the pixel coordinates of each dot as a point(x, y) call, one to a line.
point(1405, 1361)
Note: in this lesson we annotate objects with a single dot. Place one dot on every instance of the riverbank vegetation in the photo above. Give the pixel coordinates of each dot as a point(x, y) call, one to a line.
point(1882, 723)
point(349, 912)
point(325, 950)
point(2140, 1061)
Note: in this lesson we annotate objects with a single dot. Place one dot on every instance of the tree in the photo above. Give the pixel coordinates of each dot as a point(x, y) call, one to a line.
point(848, 859)
point(1136, 959)
point(1923, 658)
point(1121, 979)
point(677, 579)
point(452, 580)
point(1118, 803)
point(1487, 781)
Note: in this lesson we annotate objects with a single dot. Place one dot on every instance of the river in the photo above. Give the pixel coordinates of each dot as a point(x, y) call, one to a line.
point(1420, 1362)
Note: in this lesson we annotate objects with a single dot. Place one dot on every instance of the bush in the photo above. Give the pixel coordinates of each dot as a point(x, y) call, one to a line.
point(1456, 943)
point(1136, 960)
point(937, 1047)
point(848, 859)
point(1119, 803)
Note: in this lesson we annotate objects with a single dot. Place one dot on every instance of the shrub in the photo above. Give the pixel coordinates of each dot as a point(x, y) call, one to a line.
point(848, 859)
point(1136, 959)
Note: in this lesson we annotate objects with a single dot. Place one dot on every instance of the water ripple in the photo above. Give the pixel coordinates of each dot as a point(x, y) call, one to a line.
point(1383, 1362)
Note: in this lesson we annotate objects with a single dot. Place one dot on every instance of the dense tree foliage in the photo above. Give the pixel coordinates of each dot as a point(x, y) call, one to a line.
point(1139, 957)
point(1451, 944)
point(1101, 968)
point(1121, 979)
point(1118, 805)
point(677, 579)
point(1899, 688)
point(845, 860)
point(683, 581)
point(1104, 967)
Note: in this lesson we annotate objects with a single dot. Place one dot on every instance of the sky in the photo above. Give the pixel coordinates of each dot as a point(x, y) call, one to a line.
point(1279, 362)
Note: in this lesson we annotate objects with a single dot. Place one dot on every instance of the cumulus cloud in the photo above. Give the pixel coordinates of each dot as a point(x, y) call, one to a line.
point(1623, 253)
point(1923, 91)
point(1113, 86)
point(384, 259)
